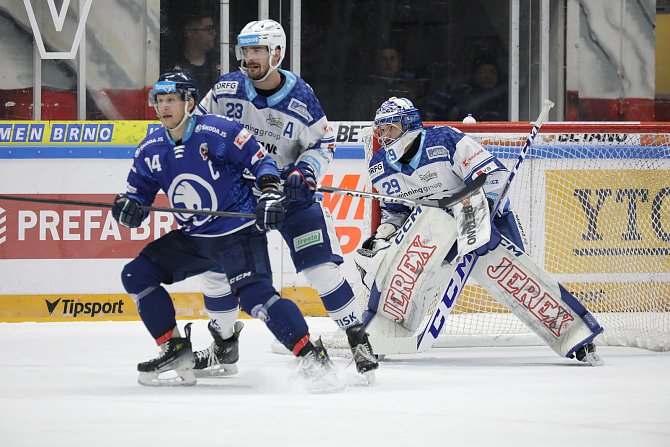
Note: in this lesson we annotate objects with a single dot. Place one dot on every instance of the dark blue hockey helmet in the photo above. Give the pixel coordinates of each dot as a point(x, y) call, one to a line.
point(397, 123)
point(181, 82)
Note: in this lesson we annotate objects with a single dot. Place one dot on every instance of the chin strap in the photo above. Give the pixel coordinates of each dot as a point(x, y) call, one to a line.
point(186, 116)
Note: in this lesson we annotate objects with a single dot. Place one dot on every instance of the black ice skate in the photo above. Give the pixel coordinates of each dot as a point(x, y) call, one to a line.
point(587, 354)
point(222, 355)
point(318, 370)
point(173, 367)
point(365, 359)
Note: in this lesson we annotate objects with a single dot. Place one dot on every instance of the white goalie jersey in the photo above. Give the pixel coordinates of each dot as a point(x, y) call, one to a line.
point(290, 123)
point(445, 161)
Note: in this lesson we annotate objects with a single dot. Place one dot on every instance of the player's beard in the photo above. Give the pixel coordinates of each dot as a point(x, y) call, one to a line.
point(257, 74)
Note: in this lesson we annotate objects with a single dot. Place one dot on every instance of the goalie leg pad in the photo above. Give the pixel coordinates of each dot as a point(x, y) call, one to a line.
point(536, 298)
point(408, 273)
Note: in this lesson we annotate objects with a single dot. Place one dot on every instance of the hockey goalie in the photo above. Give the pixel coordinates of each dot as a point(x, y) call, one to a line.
point(418, 255)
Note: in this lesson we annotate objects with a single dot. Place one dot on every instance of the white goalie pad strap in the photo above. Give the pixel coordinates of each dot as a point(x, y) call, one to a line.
point(536, 298)
point(405, 276)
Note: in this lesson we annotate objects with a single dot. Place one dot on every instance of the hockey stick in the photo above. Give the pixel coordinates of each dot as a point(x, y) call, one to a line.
point(445, 202)
point(464, 267)
point(142, 207)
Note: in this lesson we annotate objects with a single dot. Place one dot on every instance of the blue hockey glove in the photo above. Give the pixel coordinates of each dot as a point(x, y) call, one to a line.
point(270, 210)
point(299, 181)
point(127, 212)
point(493, 242)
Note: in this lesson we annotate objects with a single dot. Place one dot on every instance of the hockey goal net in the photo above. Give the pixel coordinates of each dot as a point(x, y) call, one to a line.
point(593, 201)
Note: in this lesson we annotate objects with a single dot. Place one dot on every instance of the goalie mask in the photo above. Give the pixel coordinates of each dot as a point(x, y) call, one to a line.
point(267, 33)
point(181, 82)
point(397, 123)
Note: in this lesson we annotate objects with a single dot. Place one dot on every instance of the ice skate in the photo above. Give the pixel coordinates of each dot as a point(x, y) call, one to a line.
point(173, 367)
point(587, 354)
point(366, 362)
point(318, 371)
point(220, 358)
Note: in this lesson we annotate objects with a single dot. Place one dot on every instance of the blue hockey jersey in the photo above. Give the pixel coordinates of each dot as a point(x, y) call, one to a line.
point(203, 171)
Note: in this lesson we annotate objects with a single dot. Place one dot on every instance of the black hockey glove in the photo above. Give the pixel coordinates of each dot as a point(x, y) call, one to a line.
point(299, 181)
point(127, 211)
point(270, 210)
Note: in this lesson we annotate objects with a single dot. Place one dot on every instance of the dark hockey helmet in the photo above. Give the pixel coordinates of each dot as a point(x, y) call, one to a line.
point(181, 82)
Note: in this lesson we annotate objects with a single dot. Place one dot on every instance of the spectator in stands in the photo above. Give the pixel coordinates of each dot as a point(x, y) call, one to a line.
point(198, 37)
point(485, 96)
point(389, 79)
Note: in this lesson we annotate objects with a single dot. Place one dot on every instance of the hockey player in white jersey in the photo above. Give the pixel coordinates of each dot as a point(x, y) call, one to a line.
point(284, 115)
point(414, 162)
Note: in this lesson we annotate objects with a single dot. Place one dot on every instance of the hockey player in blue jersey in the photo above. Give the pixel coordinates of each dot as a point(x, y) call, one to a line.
point(281, 110)
point(198, 162)
point(414, 162)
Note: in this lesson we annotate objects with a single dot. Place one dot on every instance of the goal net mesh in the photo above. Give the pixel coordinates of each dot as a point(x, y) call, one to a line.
point(593, 201)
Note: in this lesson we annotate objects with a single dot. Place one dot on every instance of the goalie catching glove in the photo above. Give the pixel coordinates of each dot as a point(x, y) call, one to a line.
point(270, 210)
point(381, 238)
point(299, 181)
point(127, 211)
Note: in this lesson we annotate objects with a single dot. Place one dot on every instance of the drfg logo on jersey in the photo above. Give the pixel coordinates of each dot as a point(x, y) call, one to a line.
point(58, 19)
point(70, 307)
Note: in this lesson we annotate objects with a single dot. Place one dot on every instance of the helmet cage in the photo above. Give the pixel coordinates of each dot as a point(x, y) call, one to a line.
point(401, 113)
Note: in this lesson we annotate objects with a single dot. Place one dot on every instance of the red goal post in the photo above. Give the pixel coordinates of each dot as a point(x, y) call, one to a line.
point(593, 200)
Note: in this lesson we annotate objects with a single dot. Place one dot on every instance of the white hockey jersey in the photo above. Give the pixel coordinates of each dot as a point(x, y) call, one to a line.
point(446, 161)
point(290, 124)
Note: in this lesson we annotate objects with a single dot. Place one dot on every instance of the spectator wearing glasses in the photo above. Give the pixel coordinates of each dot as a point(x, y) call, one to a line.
point(198, 38)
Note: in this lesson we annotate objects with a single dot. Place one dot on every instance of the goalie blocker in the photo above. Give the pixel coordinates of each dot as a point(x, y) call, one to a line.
point(409, 275)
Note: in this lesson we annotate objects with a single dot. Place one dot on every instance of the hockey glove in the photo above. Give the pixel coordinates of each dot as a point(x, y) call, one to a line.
point(270, 210)
point(493, 242)
point(127, 212)
point(381, 237)
point(299, 181)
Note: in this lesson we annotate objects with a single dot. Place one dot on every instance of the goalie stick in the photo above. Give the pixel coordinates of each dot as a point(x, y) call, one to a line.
point(142, 207)
point(445, 202)
point(465, 266)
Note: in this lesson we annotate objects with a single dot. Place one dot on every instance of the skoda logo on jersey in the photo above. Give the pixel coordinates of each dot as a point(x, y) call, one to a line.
point(192, 192)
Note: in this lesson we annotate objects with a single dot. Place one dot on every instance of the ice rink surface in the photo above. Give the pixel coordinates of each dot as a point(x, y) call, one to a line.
point(74, 384)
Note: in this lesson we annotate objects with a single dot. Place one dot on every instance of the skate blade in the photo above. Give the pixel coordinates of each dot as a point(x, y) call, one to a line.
point(220, 370)
point(178, 377)
point(593, 359)
point(324, 385)
point(362, 379)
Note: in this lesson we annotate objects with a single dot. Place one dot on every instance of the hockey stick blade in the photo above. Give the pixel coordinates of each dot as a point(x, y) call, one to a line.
point(445, 202)
point(143, 208)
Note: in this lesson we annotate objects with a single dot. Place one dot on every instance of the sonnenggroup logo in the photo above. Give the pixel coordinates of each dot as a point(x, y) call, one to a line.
point(73, 308)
